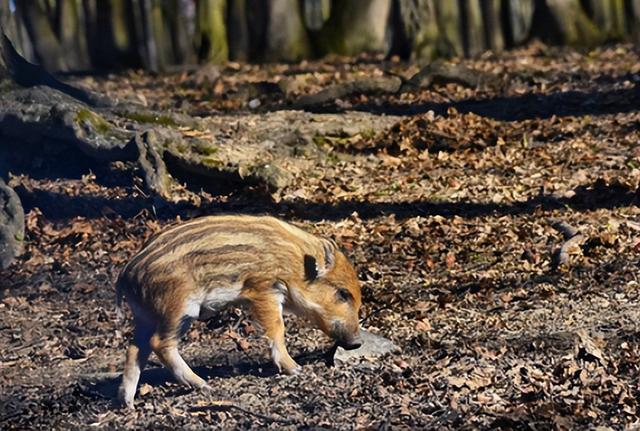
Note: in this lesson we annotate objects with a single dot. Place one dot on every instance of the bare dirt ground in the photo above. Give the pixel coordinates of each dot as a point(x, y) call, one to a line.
point(454, 218)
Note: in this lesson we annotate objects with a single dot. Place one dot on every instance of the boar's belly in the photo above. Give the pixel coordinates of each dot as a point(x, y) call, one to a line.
point(204, 306)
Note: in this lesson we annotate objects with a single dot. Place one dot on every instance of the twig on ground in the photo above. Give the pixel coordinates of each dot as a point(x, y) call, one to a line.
point(228, 405)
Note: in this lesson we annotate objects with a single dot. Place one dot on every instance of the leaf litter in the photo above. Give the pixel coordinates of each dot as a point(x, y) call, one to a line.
point(451, 218)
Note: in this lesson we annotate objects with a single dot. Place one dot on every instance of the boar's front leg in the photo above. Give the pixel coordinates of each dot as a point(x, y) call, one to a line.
point(267, 304)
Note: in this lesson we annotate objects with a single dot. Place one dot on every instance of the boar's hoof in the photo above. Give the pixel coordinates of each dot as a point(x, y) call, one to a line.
point(123, 403)
point(206, 388)
point(292, 371)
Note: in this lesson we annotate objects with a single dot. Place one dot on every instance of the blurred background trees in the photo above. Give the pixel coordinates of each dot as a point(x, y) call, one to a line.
point(76, 35)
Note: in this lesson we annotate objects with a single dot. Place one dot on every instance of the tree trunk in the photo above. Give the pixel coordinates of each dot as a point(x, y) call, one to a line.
point(4, 71)
point(211, 32)
point(37, 21)
point(316, 13)
point(565, 22)
point(633, 8)
point(608, 16)
point(180, 36)
point(238, 30)
point(518, 16)
point(472, 27)
point(355, 27)
point(493, 30)
point(449, 36)
point(286, 35)
point(73, 38)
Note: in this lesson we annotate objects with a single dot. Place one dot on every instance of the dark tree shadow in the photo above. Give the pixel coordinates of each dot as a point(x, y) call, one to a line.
point(56, 206)
point(515, 108)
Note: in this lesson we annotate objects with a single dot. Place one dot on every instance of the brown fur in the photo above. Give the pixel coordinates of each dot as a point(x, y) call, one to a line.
point(195, 268)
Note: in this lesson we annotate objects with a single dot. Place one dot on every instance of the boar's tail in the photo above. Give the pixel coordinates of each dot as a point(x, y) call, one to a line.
point(119, 296)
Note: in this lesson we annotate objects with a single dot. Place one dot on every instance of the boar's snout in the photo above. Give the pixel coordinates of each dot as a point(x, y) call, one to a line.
point(348, 340)
point(351, 344)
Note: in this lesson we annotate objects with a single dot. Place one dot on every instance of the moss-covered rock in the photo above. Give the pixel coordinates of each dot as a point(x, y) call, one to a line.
point(38, 114)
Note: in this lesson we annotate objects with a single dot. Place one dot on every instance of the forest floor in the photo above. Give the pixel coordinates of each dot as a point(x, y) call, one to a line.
point(454, 218)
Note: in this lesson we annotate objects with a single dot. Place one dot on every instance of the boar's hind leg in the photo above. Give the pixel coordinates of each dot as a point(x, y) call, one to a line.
point(165, 345)
point(137, 356)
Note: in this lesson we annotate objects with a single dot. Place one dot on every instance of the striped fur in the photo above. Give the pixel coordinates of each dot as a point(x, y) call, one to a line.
point(193, 269)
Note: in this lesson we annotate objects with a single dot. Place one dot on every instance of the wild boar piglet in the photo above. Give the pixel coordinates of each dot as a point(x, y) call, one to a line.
point(192, 270)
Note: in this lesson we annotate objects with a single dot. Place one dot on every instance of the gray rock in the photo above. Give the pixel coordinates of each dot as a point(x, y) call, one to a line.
point(373, 346)
point(11, 225)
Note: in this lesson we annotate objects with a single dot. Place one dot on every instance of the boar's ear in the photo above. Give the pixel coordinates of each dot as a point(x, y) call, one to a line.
point(312, 269)
point(330, 248)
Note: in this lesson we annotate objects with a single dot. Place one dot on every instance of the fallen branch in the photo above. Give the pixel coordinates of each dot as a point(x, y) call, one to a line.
point(573, 239)
point(439, 73)
point(359, 86)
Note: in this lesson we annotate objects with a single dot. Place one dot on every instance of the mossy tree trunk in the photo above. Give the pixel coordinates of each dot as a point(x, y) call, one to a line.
point(608, 16)
point(211, 32)
point(565, 22)
point(81, 34)
point(419, 28)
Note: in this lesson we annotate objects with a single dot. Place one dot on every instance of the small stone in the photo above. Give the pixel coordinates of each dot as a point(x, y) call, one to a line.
point(372, 346)
point(254, 103)
point(145, 389)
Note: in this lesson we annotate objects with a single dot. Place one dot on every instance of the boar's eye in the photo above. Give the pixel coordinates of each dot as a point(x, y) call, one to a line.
point(344, 295)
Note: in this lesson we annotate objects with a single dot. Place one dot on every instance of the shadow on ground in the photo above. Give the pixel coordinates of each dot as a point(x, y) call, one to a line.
point(59, 206)
point(516, 108)
point(106, 385)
